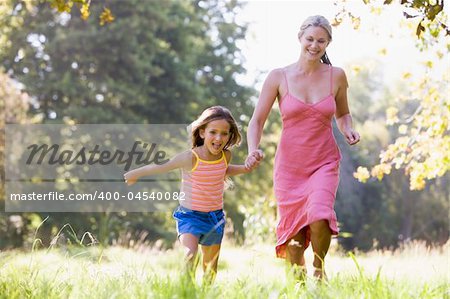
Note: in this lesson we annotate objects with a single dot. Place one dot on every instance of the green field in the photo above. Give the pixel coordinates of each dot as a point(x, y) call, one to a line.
point(244, 272)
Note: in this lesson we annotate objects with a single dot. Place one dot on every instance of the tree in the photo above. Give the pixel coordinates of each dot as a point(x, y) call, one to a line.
point(13, 109)
point(381, 214)
point(158, 62)
point(178, 56)
point(422, 148)
point(433, 19)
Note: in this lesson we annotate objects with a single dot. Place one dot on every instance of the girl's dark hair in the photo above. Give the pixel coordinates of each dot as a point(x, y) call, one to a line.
point(212, 114)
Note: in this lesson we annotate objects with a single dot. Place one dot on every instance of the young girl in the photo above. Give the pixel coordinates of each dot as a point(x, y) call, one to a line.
point(200, 218)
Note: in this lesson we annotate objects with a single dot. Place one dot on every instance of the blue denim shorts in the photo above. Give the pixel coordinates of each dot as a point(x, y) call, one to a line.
point(207, 226)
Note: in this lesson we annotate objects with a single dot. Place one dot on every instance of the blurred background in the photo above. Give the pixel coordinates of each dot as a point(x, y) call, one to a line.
point(164, 62)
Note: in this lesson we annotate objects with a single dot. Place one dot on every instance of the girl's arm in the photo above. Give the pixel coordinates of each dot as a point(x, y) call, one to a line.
point(343, 116)
point(182, 160)
point(237, 169)
point(234, 169)
point(266, 99)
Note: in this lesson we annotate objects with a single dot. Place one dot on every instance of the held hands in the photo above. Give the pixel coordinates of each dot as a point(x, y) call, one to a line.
point(253, 159)
point(351, 136)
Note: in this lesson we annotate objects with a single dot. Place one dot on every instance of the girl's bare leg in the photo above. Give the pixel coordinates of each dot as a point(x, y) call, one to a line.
point(210, 262)
point(190, 244)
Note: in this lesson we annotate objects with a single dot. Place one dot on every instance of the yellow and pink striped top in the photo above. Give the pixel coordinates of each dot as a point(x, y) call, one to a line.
point(203, 186)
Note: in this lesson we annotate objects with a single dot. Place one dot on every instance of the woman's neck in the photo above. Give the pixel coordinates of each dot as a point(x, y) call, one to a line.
point(306, 66)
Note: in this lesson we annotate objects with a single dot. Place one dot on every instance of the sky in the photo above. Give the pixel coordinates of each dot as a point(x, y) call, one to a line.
point(271, 40)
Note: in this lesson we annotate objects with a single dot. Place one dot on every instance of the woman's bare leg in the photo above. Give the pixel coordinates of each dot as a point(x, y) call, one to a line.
point(320, 241)
point(295, 250)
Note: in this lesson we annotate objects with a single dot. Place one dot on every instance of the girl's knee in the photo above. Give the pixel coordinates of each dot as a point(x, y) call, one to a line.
point(190, 244)
point(210, 264)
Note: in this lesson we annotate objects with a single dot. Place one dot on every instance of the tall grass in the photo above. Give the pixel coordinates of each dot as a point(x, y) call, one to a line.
point(77, 271)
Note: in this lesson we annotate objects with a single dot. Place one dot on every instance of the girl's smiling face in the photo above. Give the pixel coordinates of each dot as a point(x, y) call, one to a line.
point(216, 135)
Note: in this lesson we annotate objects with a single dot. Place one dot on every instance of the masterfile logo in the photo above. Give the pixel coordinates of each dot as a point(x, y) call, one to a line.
point(52, 155)
point(61, 168)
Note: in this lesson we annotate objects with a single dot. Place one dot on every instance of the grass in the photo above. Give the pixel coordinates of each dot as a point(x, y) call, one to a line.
point(415, 271)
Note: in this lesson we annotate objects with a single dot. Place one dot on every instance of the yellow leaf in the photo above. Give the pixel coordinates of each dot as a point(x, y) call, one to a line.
point(375, 10)
point(380, 170)
point(356, 69)
point(84, 10)
point(416, 182)
point(382, 51)
point(406, 75)
point(356, 22)
point(361, 174)
point(391, 115)
point(62, 5)
point(402, 129)
point(336, 21)
point(106, 16)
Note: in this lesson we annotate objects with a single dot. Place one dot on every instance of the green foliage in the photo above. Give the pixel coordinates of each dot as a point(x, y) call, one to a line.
point(422, 148)
point(158, 62)
point(384, 213)
point(13, 109)
point(86, 272)
point(164, 62)
point(433, 19)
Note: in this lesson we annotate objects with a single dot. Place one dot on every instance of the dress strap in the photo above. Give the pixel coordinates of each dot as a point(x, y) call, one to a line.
point(224, 158)
point(197, 159)
point(285, 79)
point(331, 79)
point(195, 154)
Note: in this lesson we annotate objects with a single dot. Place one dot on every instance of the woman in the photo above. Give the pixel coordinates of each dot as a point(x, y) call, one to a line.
point(306, 171)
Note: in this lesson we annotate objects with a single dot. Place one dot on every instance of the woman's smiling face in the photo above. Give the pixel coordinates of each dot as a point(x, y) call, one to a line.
point(314, 41)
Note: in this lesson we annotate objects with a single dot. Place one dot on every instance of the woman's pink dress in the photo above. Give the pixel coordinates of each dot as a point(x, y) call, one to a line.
point(306, 171)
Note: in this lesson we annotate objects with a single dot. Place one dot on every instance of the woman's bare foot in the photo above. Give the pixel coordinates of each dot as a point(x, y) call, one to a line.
point(320, 274)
